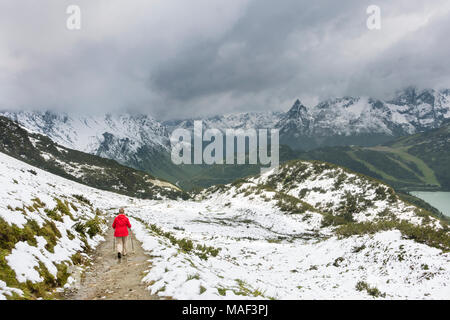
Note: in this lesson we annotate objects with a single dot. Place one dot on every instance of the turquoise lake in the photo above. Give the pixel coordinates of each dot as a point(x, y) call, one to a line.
point(439, 200)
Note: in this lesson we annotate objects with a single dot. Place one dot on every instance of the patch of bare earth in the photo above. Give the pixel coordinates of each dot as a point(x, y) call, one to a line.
point(108, 278)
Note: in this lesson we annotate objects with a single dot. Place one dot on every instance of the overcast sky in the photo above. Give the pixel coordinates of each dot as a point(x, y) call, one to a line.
point(180, 58)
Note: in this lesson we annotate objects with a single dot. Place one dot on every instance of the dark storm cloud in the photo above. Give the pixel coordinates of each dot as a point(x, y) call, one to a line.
point(177, 58)
point(255, 55)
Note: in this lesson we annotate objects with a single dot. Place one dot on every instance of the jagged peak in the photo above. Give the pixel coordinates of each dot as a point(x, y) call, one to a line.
point(298, 107)
point(413, 95)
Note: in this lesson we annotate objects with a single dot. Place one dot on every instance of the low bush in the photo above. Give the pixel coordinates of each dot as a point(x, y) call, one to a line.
point(374, 292)
point(423, 234)
point(83, 199)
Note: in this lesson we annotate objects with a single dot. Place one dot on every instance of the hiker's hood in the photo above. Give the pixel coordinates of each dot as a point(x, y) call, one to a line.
point(121, 217)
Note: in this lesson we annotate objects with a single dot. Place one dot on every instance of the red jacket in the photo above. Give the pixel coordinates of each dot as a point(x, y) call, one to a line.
point(120, 225)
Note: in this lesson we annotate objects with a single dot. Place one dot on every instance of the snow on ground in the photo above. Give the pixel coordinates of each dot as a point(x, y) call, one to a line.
point(21, 184)
point(243, 247)
point(264, 255)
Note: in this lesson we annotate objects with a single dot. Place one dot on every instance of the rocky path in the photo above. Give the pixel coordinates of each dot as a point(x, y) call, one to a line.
point(109, 278)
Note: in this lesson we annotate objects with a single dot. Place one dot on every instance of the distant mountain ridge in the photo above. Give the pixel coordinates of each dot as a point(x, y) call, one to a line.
point(363, 121)
point(106, 174)
point(343, 121)
point(244, 120)
point(338, 121)
point(141, 142)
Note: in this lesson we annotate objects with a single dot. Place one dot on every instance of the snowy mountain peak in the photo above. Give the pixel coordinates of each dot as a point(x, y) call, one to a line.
point(413, 96)
point(364, 120)
point(86, 133)
point(115, 136)
point(297, 109)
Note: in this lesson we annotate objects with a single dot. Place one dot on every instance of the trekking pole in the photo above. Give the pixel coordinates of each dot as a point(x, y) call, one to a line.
point(132, 243)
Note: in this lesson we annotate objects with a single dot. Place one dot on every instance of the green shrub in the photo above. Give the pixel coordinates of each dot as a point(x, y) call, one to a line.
point(374, 292)
point(94, 226)
point(202, 289)
point(222, 291)
point(332, 220)
point(292, 205)
point(186, 245)
point(53, 214)
point(195, 276)
point(77, 258)
point(74, 207)
point(423, 234)
point(91, 227)
point(9, 236)
point(70, 235)
point(83, 199)
point(37, 203)
point(80, 228)
point(208, 250)
point(380, 193)
point(245, 290)
point(63, 208)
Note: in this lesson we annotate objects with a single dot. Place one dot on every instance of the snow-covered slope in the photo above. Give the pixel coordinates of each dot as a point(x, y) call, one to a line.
point(113, 136)
point(271, 236)
point(244, 120)
point(92, 170)
point(261, 243)
point(363, 120)
point(47, 223)
point(410, 111)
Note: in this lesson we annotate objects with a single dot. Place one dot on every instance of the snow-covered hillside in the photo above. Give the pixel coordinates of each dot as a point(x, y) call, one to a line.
point(111, 136)
point(40, 151)
point(252, 240)
point(306, 230)
point(47, 223)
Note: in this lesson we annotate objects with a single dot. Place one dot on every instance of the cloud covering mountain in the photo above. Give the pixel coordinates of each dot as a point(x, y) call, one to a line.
point(180, 59)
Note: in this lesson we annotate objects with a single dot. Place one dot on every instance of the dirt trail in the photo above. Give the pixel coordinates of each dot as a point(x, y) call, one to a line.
point(109, 278)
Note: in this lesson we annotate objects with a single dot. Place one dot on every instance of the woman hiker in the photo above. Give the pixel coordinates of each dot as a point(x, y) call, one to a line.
point(121, 225)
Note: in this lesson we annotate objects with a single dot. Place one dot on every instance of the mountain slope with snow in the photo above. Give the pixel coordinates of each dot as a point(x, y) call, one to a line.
point(40, 151)
point(364, 121)
point(47, 226)
point(305, 230)
point(244, 120)
point(87, 133)
point(413, 162)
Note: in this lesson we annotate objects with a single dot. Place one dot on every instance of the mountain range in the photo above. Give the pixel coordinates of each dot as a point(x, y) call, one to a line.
point(363, 121)
point(343, 121)
point(142, 142)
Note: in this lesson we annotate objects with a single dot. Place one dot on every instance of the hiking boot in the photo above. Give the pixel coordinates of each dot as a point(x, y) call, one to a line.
point(119, 255)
